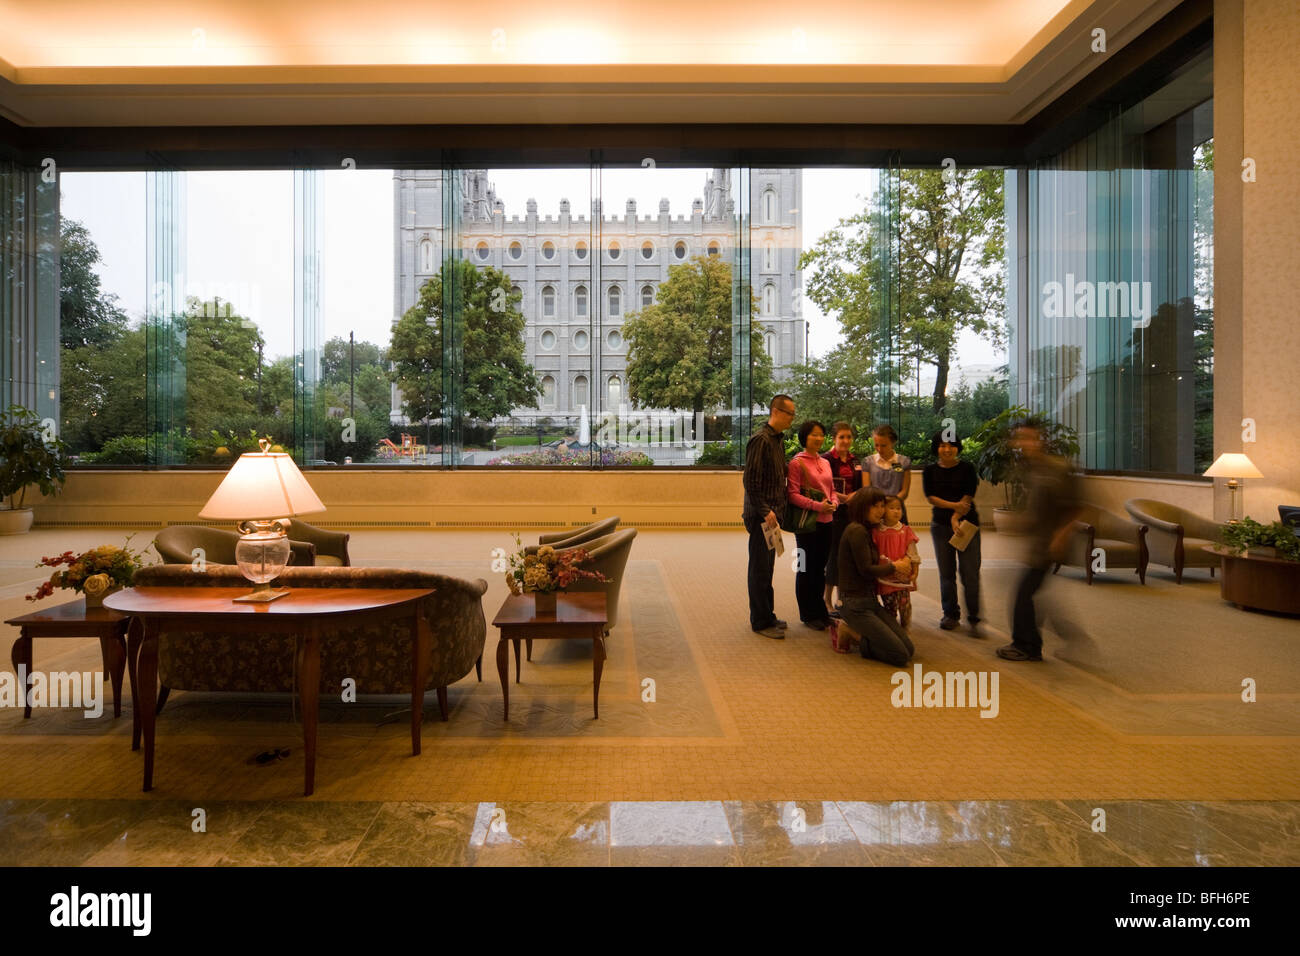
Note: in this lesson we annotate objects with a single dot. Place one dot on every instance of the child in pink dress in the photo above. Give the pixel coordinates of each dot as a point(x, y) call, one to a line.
point(895, 540)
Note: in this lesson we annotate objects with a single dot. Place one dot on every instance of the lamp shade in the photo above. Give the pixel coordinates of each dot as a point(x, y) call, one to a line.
point(262, 486)
point(1232, 465)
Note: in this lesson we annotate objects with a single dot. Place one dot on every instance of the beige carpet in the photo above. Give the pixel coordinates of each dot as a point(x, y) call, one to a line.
point(1149, 709)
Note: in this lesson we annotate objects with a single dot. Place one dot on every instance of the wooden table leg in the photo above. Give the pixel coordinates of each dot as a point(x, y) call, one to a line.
point(309, 695)
point(134, 638)
point(113, 649)
point(518, 658)
point(147, 676)
point(529, 642)
point(503, 665)
point(21, 655)
point(419, 674)
point(597, 665)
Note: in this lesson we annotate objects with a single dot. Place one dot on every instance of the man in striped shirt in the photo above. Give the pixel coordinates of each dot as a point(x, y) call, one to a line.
point(765, 495)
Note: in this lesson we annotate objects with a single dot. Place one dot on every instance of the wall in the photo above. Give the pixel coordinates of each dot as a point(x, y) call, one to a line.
point(379, 498)
point(1257, 336)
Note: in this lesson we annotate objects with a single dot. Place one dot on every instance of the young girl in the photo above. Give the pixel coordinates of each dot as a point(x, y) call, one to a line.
point(895, 540)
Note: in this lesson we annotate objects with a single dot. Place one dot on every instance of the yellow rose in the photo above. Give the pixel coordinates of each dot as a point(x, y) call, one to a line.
point(96, 584)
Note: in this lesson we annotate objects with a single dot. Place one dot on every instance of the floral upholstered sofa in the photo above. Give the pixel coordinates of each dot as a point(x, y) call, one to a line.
point(377, 656)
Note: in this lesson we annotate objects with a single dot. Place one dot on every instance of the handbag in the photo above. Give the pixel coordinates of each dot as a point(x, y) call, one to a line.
point(798, 520)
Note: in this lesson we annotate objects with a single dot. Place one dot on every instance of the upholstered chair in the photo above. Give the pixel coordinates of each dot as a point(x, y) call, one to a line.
point(1176, 537)
point(331, 546)
point(377, 656)
point(176, 544)
point(608, 555)
point(1122, 541)
point(576, 536)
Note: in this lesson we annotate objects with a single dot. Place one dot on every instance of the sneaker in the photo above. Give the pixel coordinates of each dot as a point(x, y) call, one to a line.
point(775, 633)
point(949, 623)
point(1013, 653)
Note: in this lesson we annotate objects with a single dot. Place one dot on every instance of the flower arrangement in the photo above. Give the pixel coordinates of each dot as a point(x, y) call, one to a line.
point(547, 569)
point(95, 572)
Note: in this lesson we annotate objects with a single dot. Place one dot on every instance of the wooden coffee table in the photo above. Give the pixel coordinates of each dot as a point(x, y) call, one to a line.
point(578, 616)
point(75, 620)
point(305, 612)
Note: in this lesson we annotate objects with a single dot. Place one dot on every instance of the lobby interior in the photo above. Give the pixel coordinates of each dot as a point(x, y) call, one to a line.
point(1161, 727)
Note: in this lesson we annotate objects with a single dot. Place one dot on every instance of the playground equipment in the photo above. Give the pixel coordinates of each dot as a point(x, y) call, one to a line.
point(408, 448)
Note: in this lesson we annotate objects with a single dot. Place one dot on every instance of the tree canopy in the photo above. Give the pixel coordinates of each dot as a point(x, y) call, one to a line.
point(951, 273)
point(494, 377)
point(679, 349)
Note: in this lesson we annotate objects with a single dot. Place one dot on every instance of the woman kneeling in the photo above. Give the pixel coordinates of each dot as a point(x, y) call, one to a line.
point(860, 567)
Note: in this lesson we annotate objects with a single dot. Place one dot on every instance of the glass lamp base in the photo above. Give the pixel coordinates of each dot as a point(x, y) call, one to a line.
point(262, 553)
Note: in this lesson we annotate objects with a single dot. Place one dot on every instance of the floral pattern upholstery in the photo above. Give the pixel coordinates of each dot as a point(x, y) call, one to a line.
point(377, 656)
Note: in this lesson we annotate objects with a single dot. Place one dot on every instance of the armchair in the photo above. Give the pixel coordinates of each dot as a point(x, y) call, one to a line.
point(575, 536)
point(1123, 541)
point(176, 544)
point(1290, 515)
point(1176, 537)
point(331, 546)
point(608, 555)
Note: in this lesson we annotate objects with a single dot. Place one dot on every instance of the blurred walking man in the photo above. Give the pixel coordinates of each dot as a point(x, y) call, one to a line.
point(1051, 507)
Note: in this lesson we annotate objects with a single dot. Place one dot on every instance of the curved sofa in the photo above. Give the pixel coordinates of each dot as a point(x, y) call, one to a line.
point(376, 656)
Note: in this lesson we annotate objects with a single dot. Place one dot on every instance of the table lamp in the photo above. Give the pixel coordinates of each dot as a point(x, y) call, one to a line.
point(260, 491)
point(1234, 467)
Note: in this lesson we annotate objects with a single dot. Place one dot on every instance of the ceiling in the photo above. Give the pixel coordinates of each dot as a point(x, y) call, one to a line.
point(274, 62)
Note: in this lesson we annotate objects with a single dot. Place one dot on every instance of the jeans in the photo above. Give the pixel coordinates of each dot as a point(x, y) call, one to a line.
point(810, 582)
point(949, 559)
point(762, 561)
point(1024, 623)
point(882, 637)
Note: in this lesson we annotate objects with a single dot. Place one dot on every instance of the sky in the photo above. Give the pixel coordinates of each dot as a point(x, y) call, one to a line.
point(239, 232)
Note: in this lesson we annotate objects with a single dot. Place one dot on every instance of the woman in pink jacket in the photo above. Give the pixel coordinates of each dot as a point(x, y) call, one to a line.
point(808, 470)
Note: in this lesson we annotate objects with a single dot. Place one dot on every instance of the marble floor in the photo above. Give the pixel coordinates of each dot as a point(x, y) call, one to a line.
point(639, 833)
point(1131, 744)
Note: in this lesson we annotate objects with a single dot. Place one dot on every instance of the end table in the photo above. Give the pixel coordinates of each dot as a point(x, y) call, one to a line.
point(75, 620)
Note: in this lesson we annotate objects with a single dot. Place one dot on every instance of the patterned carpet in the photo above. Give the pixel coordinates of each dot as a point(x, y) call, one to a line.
point(1148, 708)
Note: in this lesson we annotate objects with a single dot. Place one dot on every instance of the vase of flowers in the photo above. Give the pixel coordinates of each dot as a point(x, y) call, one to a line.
point(544, 572)
point(96, 573)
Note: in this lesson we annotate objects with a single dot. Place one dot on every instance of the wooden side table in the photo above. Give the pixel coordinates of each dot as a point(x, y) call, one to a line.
point(75, 620)
point(305, 612)
point(578, 616)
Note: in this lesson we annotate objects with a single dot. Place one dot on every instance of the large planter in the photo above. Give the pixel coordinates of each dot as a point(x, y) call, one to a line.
point(1006, 521)
point(1261, 583)
point(16, 520)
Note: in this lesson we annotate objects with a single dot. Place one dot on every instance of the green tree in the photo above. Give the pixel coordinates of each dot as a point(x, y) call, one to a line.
point(88, 316)
point(103, 392)
point(679, 349)
point(951, 271)
point(840, 385)
point(221, 349)
point(494, 376)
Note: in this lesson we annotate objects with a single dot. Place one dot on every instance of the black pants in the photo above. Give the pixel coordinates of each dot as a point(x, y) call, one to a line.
point(810, 582)
point(1024, 622)
point(762, 561)
point(948, 559)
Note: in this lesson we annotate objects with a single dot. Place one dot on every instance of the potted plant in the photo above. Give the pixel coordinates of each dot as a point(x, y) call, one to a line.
point(1249, 537)
point(999, 463)
point(26, 458)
